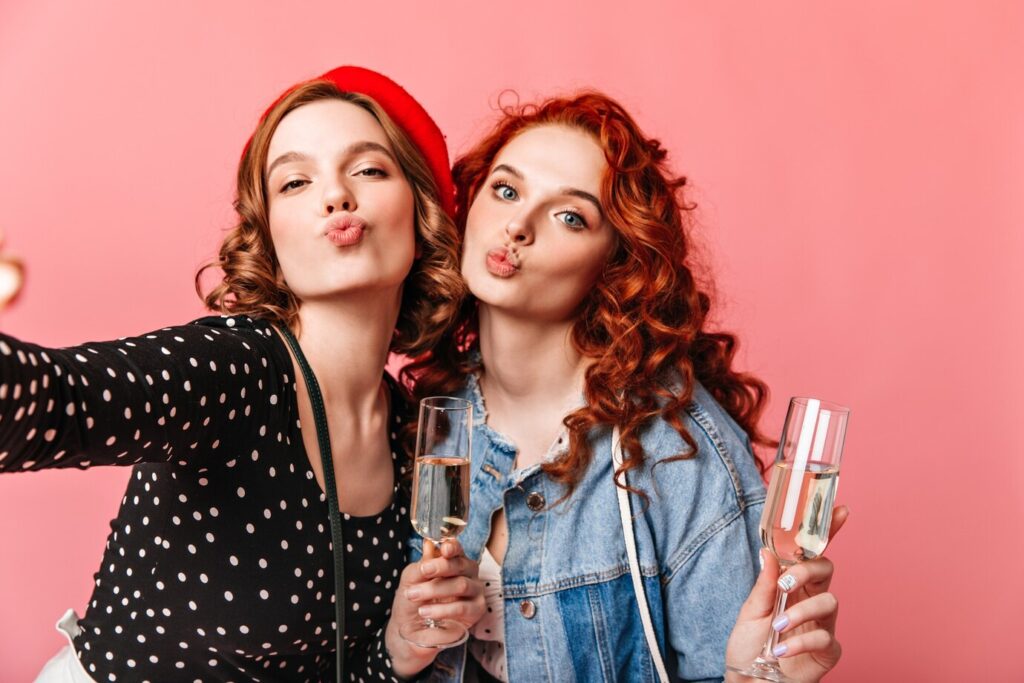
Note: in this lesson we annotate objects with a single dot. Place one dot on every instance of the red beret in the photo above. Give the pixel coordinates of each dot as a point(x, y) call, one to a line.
point(405, 111)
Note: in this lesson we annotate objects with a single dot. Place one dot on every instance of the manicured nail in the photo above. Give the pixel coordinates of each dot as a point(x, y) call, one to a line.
point(426, 612)
point(413, 593)
point(428, 569)
point(787, 582)
point(780, 649)
point(781, 623)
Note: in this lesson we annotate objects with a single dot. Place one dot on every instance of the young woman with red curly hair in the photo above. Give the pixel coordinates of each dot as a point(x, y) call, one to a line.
point(586, 328)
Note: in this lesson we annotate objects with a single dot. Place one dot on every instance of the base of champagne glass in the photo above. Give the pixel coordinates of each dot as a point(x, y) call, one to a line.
point(435, 634)
point(762, 669)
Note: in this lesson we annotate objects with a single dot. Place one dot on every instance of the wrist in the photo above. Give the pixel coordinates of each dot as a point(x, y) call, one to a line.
point(407, 660)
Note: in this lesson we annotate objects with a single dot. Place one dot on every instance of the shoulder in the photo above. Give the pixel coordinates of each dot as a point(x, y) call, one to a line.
point(237, 325)
point(250, 334)
point(722, 465)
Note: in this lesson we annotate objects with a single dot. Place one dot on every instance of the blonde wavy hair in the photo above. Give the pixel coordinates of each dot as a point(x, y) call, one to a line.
point(253, 283)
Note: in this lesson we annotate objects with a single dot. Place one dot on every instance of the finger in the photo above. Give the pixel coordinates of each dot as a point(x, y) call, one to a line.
point(429, 550)
point(814, 575)
point(822, 609)
point(451, 548)
point(11, 279)
point(445, 589)
point(761, 601)
point(839, 517)
point(467, 611)
point(458, 566)
point(819, 643)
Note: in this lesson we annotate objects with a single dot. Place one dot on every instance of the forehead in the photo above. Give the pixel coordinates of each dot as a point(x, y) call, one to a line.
point(325, 127)
point(556, 154)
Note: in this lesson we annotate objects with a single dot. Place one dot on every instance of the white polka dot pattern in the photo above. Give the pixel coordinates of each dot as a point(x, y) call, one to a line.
point(218, 563)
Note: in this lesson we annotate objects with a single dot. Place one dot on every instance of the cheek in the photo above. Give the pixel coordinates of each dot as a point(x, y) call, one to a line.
point(482, 214)
point(280, 231)
point(575, 272)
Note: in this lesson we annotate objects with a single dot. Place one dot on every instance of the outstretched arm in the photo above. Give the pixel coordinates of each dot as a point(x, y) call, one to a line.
point(173, 393)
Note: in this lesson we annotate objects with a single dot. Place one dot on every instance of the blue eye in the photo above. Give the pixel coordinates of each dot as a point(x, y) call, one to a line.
point(572, 219)
point(505, 191)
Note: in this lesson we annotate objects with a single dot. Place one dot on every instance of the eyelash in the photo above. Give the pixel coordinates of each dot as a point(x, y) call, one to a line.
point(288, 186)
point(583, 221)
point(496, 187)
point(372, 172)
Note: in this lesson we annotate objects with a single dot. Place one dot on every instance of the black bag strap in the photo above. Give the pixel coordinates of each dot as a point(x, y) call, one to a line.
point(323, 438)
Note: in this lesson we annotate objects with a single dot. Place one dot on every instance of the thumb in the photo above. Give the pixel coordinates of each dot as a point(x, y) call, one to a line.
point(12, 275)
point(761, 600)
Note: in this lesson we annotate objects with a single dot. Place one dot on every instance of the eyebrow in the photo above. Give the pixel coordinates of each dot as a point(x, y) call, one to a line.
point(571, 191)
point(354, 148)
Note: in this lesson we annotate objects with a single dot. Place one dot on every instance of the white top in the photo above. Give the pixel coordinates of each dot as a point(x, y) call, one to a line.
point(488, 642)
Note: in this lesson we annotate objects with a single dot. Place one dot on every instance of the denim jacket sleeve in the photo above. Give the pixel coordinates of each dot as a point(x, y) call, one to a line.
point(703, 596)
point(709, 546)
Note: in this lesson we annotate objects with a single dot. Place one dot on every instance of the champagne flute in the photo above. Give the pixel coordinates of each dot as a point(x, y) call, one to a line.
point(440, 498)
point(798, 510)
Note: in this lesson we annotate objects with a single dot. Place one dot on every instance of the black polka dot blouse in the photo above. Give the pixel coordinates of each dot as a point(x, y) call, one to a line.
point(219, 564)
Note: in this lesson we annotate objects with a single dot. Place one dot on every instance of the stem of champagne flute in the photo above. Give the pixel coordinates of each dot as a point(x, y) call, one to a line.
point(430, 551)
point(767, 653)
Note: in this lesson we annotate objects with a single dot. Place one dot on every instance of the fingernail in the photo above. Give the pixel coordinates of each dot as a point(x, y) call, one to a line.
point(780, 649)
point(787, 582)
point(425, 612)
point(413, 593)
point(780, 623)
point(428, 569)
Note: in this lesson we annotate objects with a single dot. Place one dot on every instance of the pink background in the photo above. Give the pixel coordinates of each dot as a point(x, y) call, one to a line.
point(858, 172)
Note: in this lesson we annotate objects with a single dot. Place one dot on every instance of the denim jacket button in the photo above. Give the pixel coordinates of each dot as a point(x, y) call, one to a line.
point(528, 609)
point(535, 501)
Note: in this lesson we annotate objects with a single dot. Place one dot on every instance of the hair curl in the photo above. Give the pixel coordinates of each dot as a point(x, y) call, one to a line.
point(645, 320)
point(253, 283)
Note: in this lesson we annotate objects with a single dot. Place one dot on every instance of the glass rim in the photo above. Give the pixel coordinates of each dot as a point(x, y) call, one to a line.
point(823, 405)
point(445, 403)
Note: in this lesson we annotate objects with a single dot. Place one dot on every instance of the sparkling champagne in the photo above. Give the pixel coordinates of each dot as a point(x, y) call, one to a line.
point(798, 511)
point(440, 496)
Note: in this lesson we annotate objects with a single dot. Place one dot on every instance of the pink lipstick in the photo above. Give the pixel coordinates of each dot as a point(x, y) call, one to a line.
point(501, 263)
point(345, 230)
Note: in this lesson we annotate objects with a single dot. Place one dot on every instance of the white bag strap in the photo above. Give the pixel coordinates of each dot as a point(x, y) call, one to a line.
point(634, 564)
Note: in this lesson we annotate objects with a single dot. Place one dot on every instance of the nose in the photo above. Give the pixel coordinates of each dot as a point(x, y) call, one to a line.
point(519, 231)
point(338, 197)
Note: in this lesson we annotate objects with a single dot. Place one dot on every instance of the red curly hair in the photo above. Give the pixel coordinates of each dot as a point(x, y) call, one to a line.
point(645, 319)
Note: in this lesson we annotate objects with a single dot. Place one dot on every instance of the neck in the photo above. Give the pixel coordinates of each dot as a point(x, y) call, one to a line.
point(527, 359)
point(346, 343)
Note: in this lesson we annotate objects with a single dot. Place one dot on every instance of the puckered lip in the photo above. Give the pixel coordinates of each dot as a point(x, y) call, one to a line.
point(502, 262)
point(345, 230)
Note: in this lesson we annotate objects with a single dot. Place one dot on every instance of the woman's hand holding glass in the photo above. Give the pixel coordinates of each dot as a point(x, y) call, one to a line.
point(808, 624)
point(439, 597)
point(796, 526)
point(440, 586)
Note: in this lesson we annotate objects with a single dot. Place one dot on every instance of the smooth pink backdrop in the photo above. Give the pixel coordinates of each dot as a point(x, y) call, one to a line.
point(858, 168)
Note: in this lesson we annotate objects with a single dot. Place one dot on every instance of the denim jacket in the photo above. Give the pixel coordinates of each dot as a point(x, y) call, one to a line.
point(570, 609)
